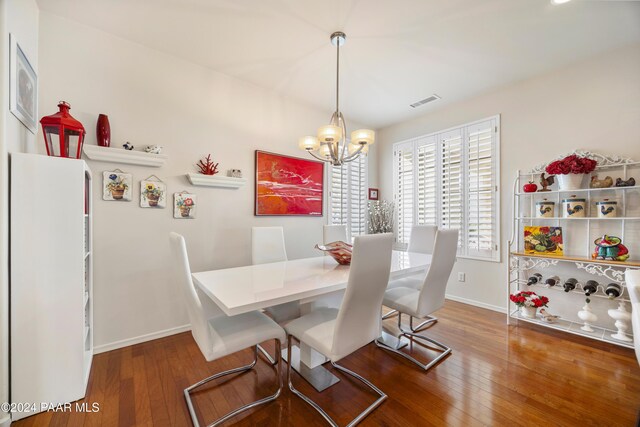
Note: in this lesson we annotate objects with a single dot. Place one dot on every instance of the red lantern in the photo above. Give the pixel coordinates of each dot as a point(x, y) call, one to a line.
point(70, 133)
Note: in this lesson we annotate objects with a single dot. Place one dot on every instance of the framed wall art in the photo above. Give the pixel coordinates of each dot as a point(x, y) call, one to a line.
point(373, 194)
point(116, 186)
point(288, 185)
point(23, 87)
point(153, 193)
point(184, 205)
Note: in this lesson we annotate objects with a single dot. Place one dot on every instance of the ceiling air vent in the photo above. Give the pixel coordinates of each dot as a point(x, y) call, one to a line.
point(431, 98)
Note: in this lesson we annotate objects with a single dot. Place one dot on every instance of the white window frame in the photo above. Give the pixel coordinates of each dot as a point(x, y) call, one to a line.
point(412, 145)
point(347, 215)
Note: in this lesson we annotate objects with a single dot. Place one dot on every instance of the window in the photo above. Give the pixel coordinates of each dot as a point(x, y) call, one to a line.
point(450, 179)
point(348, 196)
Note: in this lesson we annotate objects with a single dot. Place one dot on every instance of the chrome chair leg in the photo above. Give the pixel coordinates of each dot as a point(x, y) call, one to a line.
point(390, 314)
point(266, 354)
point(356, 420)
point(430, 319)
point(187, 391)
point(445, 350)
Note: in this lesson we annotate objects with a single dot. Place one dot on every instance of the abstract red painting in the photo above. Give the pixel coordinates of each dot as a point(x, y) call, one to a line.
point(288, 185)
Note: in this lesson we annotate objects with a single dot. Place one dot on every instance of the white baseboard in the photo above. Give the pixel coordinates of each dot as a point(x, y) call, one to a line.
point(139, 339)
point(5, 420)
point(477, 303)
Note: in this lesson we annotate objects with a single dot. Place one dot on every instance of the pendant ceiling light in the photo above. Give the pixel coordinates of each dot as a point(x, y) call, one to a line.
point(331, 145)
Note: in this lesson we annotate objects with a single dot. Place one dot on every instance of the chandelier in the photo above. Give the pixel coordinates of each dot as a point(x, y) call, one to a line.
point(331, 145)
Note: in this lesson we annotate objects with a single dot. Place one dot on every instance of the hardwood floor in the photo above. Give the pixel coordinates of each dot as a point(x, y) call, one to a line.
point(497, 375)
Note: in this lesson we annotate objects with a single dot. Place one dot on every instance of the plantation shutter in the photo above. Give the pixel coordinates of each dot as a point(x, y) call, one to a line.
point(450, 179)
point(481, 194)
point(451, 182)
point(348, 196)
point(403, 192)
point(426, 191)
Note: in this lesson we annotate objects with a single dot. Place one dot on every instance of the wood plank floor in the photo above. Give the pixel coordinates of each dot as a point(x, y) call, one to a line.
point(497, 375)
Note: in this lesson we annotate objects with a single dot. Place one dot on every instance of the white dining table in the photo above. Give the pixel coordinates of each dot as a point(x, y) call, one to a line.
point(240, 290)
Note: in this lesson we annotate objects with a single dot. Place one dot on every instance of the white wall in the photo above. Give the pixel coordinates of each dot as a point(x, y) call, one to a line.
point(593, 104)
point(153, 98)
point(20, 18)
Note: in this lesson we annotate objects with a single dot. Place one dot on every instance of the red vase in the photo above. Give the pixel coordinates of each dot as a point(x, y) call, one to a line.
point(103, 131)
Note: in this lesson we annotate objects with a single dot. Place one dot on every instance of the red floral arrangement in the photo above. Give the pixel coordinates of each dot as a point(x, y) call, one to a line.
point(528, 299)
point(571, 164)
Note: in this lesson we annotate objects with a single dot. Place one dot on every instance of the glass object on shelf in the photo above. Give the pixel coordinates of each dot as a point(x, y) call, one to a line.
point(570, 284)
point(536, 278)
point(591, 287)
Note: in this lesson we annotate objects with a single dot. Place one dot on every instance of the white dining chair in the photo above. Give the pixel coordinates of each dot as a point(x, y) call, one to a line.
point(421, 240)
point(218, 335)
point(420, 303)
point(632, 277)
point(336, 333)
point(267, 245)
point(334, 233)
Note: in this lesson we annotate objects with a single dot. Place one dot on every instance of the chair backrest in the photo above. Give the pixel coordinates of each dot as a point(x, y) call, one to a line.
point(334, 233)
point(358, 322)
point(422, 238)
point(197, 317)
point(632, 278)
point(435, 283)
point(267, 245)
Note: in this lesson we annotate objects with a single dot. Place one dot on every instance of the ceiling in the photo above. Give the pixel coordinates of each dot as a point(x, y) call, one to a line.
point(397, 52)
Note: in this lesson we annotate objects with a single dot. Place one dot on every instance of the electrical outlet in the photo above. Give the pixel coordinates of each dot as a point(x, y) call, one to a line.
point(461, 277)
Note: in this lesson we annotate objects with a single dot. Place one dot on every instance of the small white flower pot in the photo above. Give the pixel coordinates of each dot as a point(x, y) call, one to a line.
point(528, 312)
point(571, 181)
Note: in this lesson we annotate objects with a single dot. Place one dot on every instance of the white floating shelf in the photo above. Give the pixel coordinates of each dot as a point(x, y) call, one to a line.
point(215, 180)
point(119, 155)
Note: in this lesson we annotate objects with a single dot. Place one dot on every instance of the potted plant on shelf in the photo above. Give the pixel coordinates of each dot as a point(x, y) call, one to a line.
point(529, 302)
point(571, 170)
point(117, 186)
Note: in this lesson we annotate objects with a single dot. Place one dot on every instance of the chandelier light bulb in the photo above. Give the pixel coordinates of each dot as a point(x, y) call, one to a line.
point(309, 143)
point(330, 133)
point(363, 136)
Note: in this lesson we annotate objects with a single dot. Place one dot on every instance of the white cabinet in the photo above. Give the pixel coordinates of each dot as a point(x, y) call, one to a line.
point(51, 280)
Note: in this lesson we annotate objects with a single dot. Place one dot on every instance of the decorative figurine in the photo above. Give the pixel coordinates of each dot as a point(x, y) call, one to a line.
point(530, 187)
point(234, 173)
point(128, 146)
point(610, 247)
point(153, 149)
point(631, 182)
point(546, 182)
point(208, 167)
point(622, 318)
point(601, 183)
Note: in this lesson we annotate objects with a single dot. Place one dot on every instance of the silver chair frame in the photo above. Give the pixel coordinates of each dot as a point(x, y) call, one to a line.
point(187, 391)
point(317, 407)
point(412, 334)
point(430, 319)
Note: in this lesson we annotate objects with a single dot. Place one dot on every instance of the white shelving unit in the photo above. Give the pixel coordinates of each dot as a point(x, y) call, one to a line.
point(199, 179)
point(120, 155)
point(579, 233)
point(51, 280)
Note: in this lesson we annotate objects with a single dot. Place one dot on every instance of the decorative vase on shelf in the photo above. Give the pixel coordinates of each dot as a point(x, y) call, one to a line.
point(103, 131)
point(587, 316)
point(528, 312)
point(622, 318)
point(570, 181)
